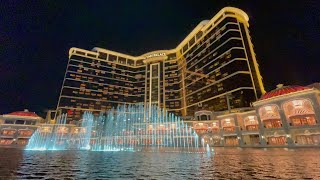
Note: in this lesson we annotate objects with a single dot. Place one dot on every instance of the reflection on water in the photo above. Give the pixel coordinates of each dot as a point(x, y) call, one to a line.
point(230, 163)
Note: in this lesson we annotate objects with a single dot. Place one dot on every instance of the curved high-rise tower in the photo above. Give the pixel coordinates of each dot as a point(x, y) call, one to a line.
point(213, 68)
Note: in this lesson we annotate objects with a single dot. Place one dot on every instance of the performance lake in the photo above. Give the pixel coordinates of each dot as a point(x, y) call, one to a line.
point(228, 163)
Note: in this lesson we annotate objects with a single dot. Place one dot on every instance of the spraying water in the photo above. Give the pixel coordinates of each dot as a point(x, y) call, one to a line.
point(129, 128)
point(61, 136)
point(126, 128)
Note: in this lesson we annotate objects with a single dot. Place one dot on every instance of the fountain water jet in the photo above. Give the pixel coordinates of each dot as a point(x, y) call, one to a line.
point(126, 128)
point(129, 128)
point(50, 136)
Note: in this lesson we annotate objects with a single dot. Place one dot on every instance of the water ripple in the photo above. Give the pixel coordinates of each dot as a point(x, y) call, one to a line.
point(226, 163)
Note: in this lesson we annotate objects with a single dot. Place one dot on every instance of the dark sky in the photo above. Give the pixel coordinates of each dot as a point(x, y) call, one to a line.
point(35, 38)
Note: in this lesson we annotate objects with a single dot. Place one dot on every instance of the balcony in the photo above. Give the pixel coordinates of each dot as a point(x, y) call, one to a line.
point(229, 129)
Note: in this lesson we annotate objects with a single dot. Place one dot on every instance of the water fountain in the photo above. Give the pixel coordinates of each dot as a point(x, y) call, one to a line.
point(81, 136)
point(129, 128)
point(50, 137)
point(62, 136)
point(126, 128)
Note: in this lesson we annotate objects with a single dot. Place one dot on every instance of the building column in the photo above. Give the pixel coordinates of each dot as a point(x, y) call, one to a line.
point(238, 131)
point(262, 137)
point(286, 126)
point(221, 134)
point(316, 108)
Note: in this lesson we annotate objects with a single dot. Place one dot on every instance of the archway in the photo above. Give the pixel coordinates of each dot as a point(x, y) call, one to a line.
point(270, 116)
point(299, 112)
point(251, 123)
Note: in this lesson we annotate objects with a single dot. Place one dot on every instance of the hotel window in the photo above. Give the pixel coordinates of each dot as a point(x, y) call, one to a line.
point(185, 48)
point(30, 123)
point(122, 60)
point(80, 52)
point(112, 58)
point(216, 21)
point(139, 63)
point(199, 34)
point(9, 121)
point(130, 62)
point(91, 55)
point(191, 42)
point(19, 122)
point(229, 13)
point(102, 55)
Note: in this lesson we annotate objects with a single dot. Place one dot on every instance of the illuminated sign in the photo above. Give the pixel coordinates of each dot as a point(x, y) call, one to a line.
point(155, 55)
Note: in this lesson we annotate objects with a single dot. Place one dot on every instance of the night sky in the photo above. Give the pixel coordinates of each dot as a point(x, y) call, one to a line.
point(35, 38)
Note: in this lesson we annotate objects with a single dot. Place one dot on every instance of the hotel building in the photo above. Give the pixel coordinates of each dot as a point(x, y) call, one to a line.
point(213, 68)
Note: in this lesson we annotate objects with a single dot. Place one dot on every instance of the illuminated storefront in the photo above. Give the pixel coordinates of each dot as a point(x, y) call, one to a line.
point(288, 116)
point(17, 127)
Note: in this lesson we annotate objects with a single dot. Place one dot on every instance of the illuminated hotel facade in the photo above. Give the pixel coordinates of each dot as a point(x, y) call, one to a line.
point(213, 68)
point(288, 116)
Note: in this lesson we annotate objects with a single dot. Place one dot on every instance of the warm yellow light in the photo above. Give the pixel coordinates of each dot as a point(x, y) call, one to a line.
point(297, 103)
point(268, 108)
point(251, 118)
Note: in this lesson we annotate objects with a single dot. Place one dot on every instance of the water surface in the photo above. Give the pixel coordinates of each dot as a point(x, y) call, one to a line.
point(227, 163)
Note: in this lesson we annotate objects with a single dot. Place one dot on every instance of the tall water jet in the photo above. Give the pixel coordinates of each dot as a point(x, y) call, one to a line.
point(50, 136)
point(133, 127)
point(81, 136)
point(125, 128)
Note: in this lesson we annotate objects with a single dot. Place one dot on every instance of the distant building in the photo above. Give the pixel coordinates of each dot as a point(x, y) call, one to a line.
point(288, 116)
point(214, 68)
point(17, 127)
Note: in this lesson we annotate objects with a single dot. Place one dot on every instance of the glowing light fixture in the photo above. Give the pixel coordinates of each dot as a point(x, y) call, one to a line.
point(251, 118)
point(297, 103)
point(268, 108)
